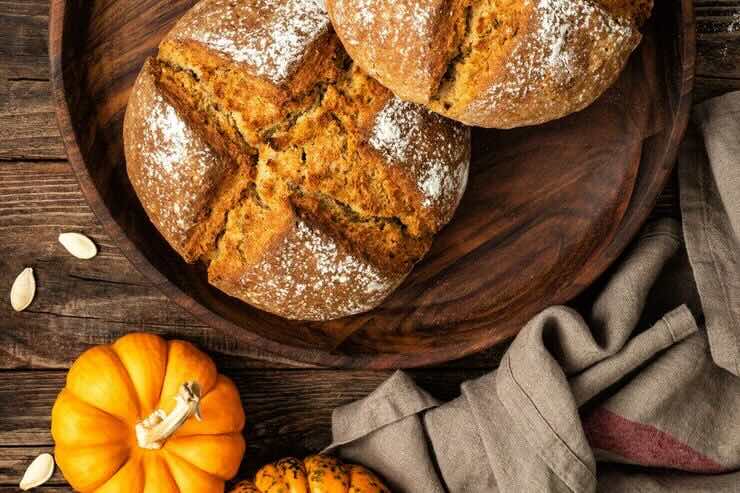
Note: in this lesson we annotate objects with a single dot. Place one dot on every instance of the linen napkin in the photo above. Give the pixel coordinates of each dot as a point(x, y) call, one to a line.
point(710, 205)
point(616, 399)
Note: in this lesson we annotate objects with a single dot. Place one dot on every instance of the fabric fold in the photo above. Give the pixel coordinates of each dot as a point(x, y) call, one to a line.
point(384, 432)
point(709, 177)
point(394, 400)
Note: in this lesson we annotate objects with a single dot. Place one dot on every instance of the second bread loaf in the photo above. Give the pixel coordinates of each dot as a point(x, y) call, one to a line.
point(492, 63)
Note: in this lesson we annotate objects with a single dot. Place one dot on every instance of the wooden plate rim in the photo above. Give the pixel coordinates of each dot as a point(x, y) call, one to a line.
point(632, 223)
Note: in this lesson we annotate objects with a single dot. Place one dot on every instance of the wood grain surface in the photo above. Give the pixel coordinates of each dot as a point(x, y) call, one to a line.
point(86, 303)
point(546, 210)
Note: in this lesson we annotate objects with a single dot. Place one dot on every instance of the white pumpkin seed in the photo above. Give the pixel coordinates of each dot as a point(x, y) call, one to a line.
point(23, 290)
point(78, 245)
point(39, 472)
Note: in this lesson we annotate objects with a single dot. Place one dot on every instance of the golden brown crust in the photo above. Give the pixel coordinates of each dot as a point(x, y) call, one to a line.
point(271, 39)
point(519, 62)
point(547, 74)
point(175, 173)
point(321, 189)
point(405, 44)
point(423, 146)
point(300, 271)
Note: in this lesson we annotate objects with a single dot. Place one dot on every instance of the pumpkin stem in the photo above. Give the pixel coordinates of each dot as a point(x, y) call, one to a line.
point(154, 430)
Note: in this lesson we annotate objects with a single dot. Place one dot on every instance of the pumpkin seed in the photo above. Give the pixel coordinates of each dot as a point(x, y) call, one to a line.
point(38, 472)
point(78, 245)
point(23, 290)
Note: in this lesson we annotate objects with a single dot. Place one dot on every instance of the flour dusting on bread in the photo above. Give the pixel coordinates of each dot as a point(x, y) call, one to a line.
point(311, 276)
point(574, 53)
point(165, 163)
point(271, 47)
point(560, 19)
point(174, 166)
point(393, 128)
point(422, 142)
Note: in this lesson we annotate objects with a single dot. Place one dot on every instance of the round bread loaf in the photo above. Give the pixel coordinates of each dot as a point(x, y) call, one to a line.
point(492, 63)
point(255, 145)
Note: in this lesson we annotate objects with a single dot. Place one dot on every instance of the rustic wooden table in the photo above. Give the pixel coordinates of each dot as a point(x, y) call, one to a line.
point(82, 303)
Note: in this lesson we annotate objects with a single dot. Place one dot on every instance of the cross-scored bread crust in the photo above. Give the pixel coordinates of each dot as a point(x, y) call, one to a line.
point(177, 176)
point(257, 147)
point(507, 63)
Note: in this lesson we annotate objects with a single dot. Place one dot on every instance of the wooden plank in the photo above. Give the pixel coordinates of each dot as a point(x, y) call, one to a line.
point(288, 412)
point(32, 220)
point(26, 108)
point(709, 87)
point(23, 34)
point(40, 489)
point(23, 56)
point(15, 460)
point(718, 38)
point(720, 57)
point(37, 200)
point(27, 115)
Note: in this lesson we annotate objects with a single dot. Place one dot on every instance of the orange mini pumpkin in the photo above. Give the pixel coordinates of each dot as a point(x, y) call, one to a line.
point(127, 420)
point(315, 474)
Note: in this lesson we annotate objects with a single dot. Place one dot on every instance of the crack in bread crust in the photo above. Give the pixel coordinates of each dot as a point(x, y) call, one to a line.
point(455, 55)
point(276, 152)
point(211, 220)
point(486, 26)
point(394, 250)
point(488, 34)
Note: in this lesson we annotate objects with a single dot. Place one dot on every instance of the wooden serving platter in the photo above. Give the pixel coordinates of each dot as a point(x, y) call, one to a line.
point(547, 209)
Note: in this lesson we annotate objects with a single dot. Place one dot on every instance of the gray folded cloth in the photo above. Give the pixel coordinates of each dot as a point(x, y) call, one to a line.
point(617, 399)
point(710, 204)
